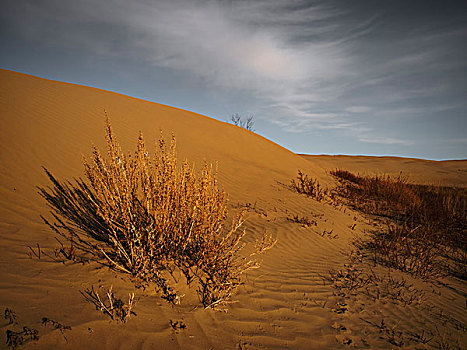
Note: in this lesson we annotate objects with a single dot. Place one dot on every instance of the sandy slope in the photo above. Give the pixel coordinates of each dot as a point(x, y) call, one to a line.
point(284, 304)
point(421, 171)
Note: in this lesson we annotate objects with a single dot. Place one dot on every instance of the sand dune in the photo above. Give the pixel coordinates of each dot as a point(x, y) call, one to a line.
point(420, 171)
point(284, 304)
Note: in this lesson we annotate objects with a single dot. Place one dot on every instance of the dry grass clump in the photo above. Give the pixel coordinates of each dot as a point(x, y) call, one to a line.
point(355, 280)
point(112, 306)
point(303, 220)
point(15, 339)
point(380, 195)
point(423, 223)
point(10, 315)
point(177, 325)
point(56, 325)
point(308, 186)
point(148, 217)
point(345, 175)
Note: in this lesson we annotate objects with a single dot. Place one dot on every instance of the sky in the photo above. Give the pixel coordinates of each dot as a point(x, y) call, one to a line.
point(368, 77)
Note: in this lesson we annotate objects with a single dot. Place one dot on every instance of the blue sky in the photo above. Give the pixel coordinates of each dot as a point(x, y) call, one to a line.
point(320, 77)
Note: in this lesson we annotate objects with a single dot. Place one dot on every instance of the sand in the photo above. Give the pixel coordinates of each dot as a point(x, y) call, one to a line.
point(418, 171)
point(283, 304)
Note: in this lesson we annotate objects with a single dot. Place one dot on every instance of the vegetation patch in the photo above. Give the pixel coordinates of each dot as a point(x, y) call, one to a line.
point(303, 220)
point(110, 305)
point(308, 186)
point(56, 325)
point(149, 217)
point(15, 339)
point(424, 227)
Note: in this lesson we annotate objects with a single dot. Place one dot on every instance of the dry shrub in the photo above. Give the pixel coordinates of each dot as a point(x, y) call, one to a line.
point(246, 124)
point(308, 186)
point(147, 216)
point(380, 195)
point(303, 220)
point(356, 280)
point(423, 223)
point(56, 325)
point(112, 306)
point(345, 175)
point(15, 339)
point(10, 315)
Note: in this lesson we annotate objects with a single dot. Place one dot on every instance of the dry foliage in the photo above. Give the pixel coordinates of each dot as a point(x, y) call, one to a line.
point(303, 220)
point(308, 186)
point(425, 225)
point(112, 306)
point(356, 280)
point(56, 325)
point(10, 315)
point(15, 339)
point(177, 325)
point(390, 333)
point(246, 124)
point(147, 216)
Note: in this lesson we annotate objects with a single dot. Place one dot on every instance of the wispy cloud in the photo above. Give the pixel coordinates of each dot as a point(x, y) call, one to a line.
point(231, 45)
point(213, 42)
point(386, 141)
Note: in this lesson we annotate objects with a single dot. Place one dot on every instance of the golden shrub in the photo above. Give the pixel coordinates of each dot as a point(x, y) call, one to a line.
point(147, 216)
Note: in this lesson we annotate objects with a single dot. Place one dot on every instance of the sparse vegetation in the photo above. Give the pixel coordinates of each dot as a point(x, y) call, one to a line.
point(308, 186)
point(249, 207)
point(112, 306)
point(390, 333)
point(27, 334)
point(15, 339)
point(56, 325)
point(148, 217)
point(246, 123)
point(422, 224)
point(10, 315)
point(353, 280)
point(303, 220)
point(177, 325)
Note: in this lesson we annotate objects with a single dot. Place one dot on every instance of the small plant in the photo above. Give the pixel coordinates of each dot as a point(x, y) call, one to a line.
point(56, 325)
point(246, 124)
point(112, 306)
point(177, 325)
point(148, 217)
point(249, 207)
point(9, 315)
point(15, 339)
point(353, 280)
point(389, 333)
point(422, 337)
point(303, 220)
point(64, 253)
point(308, 186)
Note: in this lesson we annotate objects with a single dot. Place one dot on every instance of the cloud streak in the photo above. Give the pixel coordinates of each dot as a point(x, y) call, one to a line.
point(385, 141)
point(226, 46)
point(213, 43)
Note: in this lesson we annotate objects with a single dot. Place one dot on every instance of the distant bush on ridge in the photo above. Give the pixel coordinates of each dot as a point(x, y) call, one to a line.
point(243, 123)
